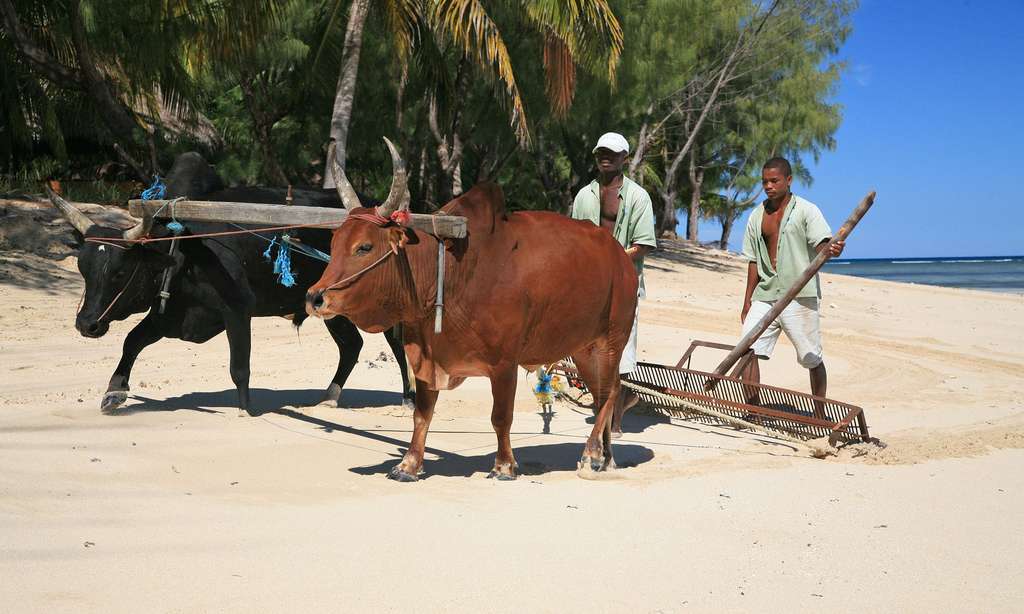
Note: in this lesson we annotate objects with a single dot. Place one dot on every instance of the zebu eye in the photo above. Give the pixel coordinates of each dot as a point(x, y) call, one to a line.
point(364, 249)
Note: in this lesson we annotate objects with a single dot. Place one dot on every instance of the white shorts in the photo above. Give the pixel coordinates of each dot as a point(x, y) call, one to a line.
point(800, 321)
point(627, 364)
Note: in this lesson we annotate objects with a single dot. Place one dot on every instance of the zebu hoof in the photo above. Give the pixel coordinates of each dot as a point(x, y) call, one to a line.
point(585, 469)
point(399, 475)
point(591, 465)
point(501, 477)
point(503, 473)
point(332, 397)
point(112, 400)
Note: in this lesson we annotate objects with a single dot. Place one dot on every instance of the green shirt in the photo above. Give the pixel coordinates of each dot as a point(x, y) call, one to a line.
point(634, 224)
point(803, 228)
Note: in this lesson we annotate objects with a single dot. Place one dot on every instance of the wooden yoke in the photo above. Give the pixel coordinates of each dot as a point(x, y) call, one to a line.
point(811, 270)
point(444, 226)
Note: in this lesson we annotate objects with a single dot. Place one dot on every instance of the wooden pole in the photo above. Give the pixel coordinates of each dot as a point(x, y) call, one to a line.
point(446, 226)
point(811, 270)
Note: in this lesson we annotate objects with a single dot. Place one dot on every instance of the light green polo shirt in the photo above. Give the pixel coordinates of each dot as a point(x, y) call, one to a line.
point(803, 227)
point(634, 224)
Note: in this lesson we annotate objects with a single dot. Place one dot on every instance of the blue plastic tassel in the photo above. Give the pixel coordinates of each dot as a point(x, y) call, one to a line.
point(176, 227)
point(157, 191)
point(283, 262)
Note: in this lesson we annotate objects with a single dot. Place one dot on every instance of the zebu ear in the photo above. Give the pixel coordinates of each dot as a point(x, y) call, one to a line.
point(158, 260)
point(397, 238)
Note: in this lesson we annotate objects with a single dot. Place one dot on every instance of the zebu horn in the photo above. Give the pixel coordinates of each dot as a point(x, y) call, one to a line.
point(398, 197)
point(71, 213)
point(348, 196)
point(141, 229)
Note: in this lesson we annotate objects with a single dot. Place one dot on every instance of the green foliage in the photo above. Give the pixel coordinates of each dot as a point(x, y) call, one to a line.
point(526, 85)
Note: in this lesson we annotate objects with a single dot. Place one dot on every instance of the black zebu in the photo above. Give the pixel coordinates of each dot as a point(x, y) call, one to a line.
point(216, 284)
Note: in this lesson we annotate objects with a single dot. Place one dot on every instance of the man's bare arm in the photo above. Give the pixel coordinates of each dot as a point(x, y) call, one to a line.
point(752, 279)
point(637, 252)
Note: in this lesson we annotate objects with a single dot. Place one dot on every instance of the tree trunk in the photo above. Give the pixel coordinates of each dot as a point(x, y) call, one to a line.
point(667, 223)
point(117, 117)
point(696, 179)
point(723, 243)
point(668, 219)
point(641, 143)
point(346, 92)
point(449, 152)
point(457, 179)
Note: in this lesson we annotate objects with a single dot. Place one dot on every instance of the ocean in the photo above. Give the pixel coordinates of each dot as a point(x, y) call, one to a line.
point(992, 273)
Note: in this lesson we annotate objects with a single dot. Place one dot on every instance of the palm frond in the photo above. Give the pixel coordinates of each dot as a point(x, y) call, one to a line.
point(469, 26)
point(405, 21)
point(559, 75)
point(589, 29)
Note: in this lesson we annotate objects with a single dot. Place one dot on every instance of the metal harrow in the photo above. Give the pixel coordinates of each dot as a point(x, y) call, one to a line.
point(708, 398)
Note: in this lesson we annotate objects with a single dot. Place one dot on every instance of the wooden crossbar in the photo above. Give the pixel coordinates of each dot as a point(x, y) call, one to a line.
point(446, 226)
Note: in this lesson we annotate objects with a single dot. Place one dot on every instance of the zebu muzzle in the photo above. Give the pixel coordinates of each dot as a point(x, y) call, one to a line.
point(91, 327)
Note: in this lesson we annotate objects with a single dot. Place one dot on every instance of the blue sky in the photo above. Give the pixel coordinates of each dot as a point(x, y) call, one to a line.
point(933, 119)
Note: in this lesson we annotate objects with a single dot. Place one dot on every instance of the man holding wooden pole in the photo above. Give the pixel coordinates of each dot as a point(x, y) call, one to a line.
point(782, 237)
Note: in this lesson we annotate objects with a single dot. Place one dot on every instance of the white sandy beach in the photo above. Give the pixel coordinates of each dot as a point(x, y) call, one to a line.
point(174, 504)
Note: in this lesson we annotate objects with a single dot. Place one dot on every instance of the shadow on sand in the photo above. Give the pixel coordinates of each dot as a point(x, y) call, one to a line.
point(674, 252)
point(262, 400)
point(533, 460)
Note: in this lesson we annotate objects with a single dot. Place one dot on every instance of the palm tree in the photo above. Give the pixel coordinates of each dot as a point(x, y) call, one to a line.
point(585, 33)
point(127, 61)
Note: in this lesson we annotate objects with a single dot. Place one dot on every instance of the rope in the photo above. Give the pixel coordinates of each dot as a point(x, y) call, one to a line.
point(128, 283)
point(207, 234)
point(302, 248)
point(817, 451)
point(158, 191)
point(335, 285)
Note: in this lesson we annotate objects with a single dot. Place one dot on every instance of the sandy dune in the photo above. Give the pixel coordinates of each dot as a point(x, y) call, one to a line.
point(173, 504)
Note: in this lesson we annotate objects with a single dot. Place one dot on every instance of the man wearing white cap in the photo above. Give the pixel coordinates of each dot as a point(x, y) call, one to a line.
point(616, 202)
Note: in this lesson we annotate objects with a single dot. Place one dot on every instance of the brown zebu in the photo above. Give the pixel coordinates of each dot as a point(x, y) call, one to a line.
point(524, 288)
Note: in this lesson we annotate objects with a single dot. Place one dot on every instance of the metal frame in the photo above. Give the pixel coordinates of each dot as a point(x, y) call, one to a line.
point(798, 413)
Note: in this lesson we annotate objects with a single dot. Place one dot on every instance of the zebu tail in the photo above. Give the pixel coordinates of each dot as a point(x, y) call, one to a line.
point(298, 318)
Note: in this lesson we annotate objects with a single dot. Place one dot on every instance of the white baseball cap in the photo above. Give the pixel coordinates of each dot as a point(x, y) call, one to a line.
point(612, 141)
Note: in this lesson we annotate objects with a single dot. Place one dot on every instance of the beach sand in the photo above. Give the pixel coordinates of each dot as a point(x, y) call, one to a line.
point(174, 504)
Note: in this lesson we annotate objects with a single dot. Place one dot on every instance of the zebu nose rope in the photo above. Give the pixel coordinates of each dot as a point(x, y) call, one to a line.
point(335, 285)
point(111, 305)
point(378, 220)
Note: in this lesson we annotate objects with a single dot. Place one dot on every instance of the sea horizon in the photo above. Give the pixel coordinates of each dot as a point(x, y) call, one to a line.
point(906, 259)
point(992, 273)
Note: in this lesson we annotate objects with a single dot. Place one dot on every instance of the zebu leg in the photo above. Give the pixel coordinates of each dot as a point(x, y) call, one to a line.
point(144, 334)
point(412, 465)
point(503, 391)
point(394, 338)
point(240, 345)
point(599, 368)
point(349, 342)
